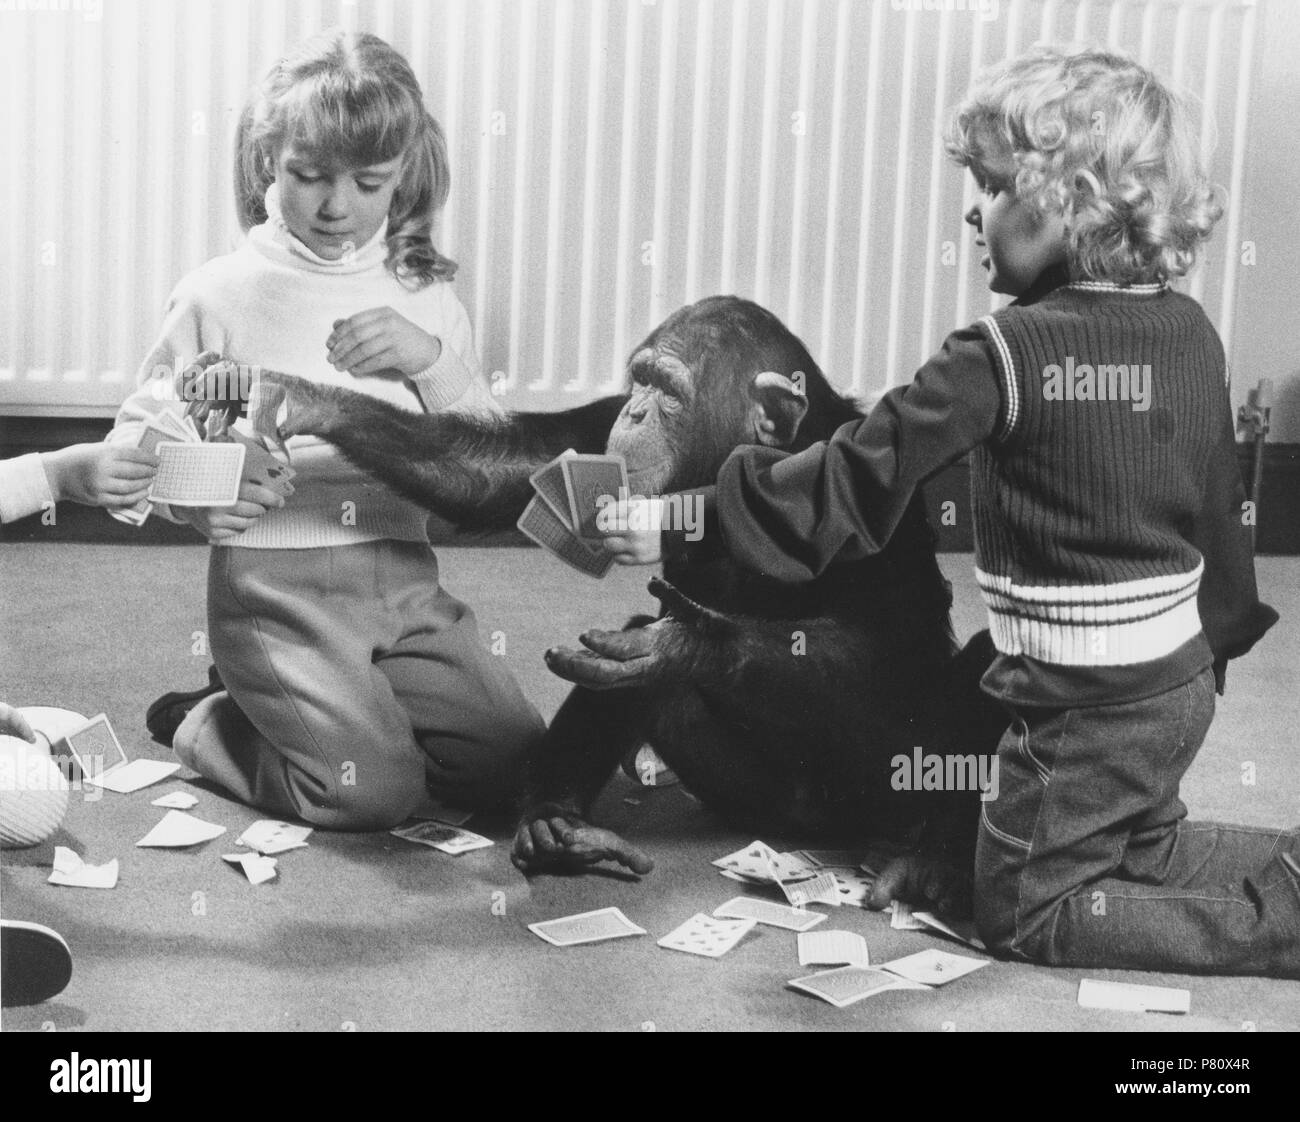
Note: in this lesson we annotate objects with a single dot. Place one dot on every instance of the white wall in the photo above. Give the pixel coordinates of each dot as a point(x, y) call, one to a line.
point(611, 160)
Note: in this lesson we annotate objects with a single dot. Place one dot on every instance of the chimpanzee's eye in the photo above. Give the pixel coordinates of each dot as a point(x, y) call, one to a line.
point(671, 402)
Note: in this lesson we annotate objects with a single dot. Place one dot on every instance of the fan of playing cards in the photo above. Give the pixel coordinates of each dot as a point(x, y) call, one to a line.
point(198, 472)
point(561, 517)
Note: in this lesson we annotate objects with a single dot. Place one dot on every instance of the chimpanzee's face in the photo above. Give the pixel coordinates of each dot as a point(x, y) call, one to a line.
point(698, 393)
point(649, 431)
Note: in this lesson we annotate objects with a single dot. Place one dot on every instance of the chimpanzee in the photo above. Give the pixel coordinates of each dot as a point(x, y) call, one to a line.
point(782, 707)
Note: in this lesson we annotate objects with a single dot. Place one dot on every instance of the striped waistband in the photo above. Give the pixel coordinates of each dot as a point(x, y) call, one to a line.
point(1093, 625)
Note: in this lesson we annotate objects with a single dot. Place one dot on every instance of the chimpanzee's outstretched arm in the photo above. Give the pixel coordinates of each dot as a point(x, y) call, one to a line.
point(472, 470)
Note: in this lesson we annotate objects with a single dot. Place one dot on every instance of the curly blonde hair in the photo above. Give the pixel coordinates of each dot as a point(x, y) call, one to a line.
point(1098, 139)
point(351, 99)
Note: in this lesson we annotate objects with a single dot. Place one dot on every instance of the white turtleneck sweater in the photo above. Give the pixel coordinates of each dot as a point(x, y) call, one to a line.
point(272, 303)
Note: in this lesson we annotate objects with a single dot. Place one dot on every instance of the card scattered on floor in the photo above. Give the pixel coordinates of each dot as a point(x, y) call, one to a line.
point(961, 930)
point(849, 984)
point(764, 911)
point(72, 872)
point(933, 967)
point(178, 830)
point(561, 516)
point(586, 927)
point(832, 948)
point(271, 836)
point(853, 886)
point(177, 800)
point(103, 762)
point(1131, 998)
point(442, 837)
point(257, 869)
point(707, 936)
point(760, 863)
point(901, 918)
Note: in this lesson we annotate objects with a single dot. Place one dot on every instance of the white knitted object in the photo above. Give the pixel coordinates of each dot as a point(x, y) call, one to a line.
point(33, 793)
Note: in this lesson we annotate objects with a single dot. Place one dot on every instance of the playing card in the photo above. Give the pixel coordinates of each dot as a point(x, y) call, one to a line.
point(848, 984)
point(961, 930)
point(549, 483)
point(707, 936)
point(178, 830)
point(95, 747)
point(268, 835)
point(760, 863)
point(198, 474)
point(1131, 998)
point(832, 948)
point(933, 967)
point(262, 467)
point(821, 889)
point(586, 927)
point(442, 837)
point(169, 423)
point(257, 869)
point(132, 776)
point(853, 887)
point(901, 918)
point(764, 911)
point(72, 872)
point(592, 481)
point(177, 800)
point(544, 527)
point(827, 858)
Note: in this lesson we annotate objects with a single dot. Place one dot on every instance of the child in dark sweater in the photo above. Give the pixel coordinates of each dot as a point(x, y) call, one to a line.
point(1110, 543)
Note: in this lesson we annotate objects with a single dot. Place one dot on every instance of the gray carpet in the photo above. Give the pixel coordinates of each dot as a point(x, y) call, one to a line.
point(369, 931)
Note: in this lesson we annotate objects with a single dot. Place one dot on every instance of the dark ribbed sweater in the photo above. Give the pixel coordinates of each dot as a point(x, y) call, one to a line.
point(1110, 543)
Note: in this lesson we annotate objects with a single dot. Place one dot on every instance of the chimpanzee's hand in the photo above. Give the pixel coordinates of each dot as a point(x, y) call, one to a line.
point(553, 835)
point(613, 660)
point(925, 881)
point(314, 410)
point(206, 390)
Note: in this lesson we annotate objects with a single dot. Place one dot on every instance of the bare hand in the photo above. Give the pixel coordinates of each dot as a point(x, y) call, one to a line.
point(552, 835)
point(380, 341)
point(613, 659)
point(13, 723)
point(221, 523)
point(107, 475)
point(632, 528)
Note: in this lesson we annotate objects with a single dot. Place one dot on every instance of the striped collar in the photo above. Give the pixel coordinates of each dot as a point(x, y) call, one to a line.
point(1120, 289)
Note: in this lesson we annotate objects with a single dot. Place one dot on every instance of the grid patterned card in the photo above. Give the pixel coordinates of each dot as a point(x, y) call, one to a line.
point(198, 474)
point(590, 481)
point(549, 483)
point(544, 527)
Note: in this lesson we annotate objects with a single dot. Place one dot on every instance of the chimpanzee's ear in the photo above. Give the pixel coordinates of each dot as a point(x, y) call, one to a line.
point(778, 408)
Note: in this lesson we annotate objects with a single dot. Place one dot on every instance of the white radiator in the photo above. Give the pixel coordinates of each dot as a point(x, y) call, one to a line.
point(611, 160)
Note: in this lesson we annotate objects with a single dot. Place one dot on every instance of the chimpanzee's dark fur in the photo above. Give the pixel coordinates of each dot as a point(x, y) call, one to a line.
point(781, 707)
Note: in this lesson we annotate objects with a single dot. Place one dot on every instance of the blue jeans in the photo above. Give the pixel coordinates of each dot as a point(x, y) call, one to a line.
point(1084, 857)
